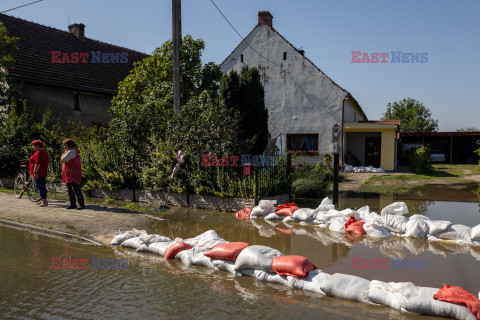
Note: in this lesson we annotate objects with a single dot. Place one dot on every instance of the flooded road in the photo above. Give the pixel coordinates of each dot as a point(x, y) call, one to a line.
point(151, 288)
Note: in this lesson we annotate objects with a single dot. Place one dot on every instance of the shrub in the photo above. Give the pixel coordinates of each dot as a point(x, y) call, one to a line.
point(310, 186)
point(478, 150)
point(420, 160)
point(352, 160)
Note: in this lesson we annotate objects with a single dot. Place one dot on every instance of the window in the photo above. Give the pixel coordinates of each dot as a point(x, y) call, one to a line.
point(305, 143)
point(354, 116)
point(76, 102)
point(241, 58)
point(284, 55)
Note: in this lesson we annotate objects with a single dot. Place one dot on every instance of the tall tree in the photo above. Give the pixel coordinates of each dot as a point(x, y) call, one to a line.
point(414, 115)
point(245, 93)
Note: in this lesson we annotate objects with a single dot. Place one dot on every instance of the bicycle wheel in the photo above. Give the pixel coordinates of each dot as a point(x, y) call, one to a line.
point(19, 186)
point(32, 191)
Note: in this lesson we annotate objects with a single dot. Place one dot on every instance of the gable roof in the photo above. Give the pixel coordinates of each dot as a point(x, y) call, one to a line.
point(302, 52)
point(33, 59)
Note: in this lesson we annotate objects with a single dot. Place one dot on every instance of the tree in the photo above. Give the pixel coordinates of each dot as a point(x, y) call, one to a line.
point(8, 46)
point(414, 115)
point(245, 93)
point(467, 129)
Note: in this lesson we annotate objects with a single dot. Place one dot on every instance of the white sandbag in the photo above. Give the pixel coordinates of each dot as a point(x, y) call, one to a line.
point(159, 248)
point(346, 286)
point(122, 236)
point(389, 294)
point(475, 236)
point(264, 207)
point(361, 213)
point(348, 168)
point(376, 229)
point(225, 265)
point(420, 300)
point(257, 212)
point(395, 208)
point(312, 282)
point(256, 257)
point(394, 223)
point(337, 224)
point(265, 276)
point(135, 242)
point(325, 205)
point(208, 239)
point(456, 232)
point(436, 226)
point(267, 204)
point(274, 216)
point(289, 219)
point(154, 238)
point(417, 228)
point(304, 214)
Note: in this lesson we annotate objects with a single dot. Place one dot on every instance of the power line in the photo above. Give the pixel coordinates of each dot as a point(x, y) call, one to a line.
point(272, 62)
point(21, 6)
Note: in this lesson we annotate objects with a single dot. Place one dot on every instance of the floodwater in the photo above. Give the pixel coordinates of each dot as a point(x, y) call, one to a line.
point(152, 288)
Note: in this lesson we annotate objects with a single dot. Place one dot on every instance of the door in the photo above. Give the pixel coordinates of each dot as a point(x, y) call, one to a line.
point(372, 151)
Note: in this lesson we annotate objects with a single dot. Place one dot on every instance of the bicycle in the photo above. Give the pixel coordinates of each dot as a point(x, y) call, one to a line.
point(24, 183)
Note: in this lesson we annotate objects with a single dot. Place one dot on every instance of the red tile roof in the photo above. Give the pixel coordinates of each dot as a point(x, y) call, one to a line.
point(397, 122)
point(34, 58)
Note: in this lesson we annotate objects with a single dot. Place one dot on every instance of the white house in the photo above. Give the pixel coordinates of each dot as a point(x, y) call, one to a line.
point(304, 103)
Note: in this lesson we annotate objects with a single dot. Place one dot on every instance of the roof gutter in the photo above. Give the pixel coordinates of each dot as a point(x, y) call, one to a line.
point(85, 89)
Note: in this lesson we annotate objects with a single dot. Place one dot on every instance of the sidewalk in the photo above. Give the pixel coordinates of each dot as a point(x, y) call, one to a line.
point(97, 222)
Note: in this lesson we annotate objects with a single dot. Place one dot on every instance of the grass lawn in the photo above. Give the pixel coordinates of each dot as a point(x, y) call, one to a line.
point(389, 183)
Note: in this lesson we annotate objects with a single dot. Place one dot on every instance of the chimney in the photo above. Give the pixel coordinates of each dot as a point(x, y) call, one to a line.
point(78, 30)
point(302, 52)
point(265, 18)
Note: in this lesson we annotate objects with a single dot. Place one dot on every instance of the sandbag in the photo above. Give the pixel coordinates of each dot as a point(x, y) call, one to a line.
point(134, 242)
point(420, 300)
point(151, 239)
point(292, 265)
point(394, 223)
point(226, 251)
point(304, 214)
point(336, 224)
point(243, 214)
point(225, 265)
point(312, 282)
point(208, 240)
point(159, 248)
point(417, 228)
point(475, 236)
point(459, 296)
point(346, 286)
point(265, 276)
point(354, 226)
point(267, 204)
point(376, 229)
point(456, 232)
point(419, 216)
point(389, 294)
point(274, 216)
point(395, 208)
point(286, 211)
point(120, 237)
point(325, 205)
point(176, 248)
point(256, 257)
point(436, 226)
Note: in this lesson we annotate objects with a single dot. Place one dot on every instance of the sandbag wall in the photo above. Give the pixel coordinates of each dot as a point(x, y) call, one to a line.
point(270, 265)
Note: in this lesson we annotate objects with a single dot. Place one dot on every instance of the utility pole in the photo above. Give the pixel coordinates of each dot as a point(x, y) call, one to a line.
point(335, 140)
point(177, 55)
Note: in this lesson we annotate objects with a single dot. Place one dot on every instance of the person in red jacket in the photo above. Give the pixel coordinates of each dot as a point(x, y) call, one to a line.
point(72, 174)
point(38, 166)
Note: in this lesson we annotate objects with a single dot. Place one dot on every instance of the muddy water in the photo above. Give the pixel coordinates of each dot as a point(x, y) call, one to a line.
point(151, 288)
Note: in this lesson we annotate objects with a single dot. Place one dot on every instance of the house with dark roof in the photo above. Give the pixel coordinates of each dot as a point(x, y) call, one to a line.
point(73, 75)
point(304, 103)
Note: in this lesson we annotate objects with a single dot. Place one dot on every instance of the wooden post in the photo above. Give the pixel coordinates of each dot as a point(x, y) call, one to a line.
point(451, 149)
point(177, 55)
point(335, 179)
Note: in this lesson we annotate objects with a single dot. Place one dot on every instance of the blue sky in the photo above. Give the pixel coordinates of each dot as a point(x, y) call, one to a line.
point(328, 31)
